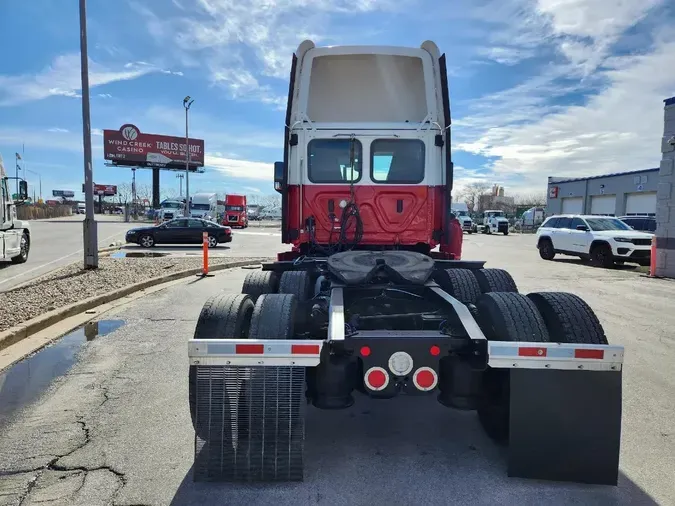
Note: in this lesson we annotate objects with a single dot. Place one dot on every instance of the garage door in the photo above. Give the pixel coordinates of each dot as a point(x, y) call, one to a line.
point(603, 204)
point(573, 205)
point(641, 203)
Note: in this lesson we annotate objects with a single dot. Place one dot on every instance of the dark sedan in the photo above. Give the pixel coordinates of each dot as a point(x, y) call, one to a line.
point(180, 231)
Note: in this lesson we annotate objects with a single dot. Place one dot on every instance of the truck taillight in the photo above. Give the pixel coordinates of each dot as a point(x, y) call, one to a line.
point(425, 379)
point(376, 378)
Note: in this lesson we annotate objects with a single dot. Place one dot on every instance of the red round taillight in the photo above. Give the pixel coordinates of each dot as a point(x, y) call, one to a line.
point(376, 378)
point(425, 379)
point(365, 351)
point(435, 350)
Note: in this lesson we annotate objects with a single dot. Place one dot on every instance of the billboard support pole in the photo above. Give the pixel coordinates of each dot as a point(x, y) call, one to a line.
point(90, 232)
point(187, 102)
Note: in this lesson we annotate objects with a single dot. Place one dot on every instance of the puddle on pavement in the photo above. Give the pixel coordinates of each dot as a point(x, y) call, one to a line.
point(25, 381)
point(137, 254)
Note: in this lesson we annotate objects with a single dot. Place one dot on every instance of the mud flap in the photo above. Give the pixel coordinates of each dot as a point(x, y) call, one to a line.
point(565, 425)
point(249, 423)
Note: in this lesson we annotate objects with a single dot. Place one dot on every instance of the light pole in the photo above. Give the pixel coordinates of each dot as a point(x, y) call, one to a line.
point(17, 157)
point(187, 102)
point(90, 232)
point(37, 174)
point(180, 184)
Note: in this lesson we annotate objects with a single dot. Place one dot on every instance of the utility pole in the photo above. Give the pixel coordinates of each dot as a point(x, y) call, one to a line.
point(187, 102)
point(90, 231)
point(134, 198)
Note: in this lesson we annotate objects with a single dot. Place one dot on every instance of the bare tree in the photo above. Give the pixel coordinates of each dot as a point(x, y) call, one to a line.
point(143, 192)
point(270, 201)
point(124, 193)
point(535, 199)
point(253, 199)
point(169, 193)
point(471, 193)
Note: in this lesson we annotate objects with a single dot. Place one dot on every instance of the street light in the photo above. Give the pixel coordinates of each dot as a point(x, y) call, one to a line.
point(187, 102)
point(37, 174)
point(180, 183)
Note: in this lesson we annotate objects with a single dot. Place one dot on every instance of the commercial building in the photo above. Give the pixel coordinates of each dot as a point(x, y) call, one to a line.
point(620, 194)
point(665, 214)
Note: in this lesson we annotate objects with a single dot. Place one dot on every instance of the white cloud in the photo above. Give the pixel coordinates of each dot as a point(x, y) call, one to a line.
point(58, 139)
point(243, 169)
point(218, 135)
point(242, 42)
point(105, 95)
point(243, 86)
point(617, 129)
point(252, 189)
point(62, 78)
point(506, 55)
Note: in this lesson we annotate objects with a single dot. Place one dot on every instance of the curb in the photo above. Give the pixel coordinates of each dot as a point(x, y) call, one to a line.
point(15, 334)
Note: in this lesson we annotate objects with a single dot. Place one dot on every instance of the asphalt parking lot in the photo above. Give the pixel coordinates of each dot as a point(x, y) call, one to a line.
point(116, 429)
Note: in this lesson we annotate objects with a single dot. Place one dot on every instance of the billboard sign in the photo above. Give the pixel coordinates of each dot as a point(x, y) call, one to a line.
point(128, 146)
point(107, 190)
point(63, 193)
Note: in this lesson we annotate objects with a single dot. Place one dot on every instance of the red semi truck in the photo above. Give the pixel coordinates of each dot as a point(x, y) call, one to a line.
point(235, 211)
point(375, 300)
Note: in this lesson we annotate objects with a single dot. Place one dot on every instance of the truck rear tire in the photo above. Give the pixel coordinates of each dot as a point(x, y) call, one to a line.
point(271, 419)
point(568, 318)
point(25, 249)
point(495, 280)
point(460, 283)
point(222, 316)
point(257, 283)
point(297, 283)
point(504, 317)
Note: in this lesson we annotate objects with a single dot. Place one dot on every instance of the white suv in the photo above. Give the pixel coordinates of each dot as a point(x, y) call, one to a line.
point(602, 239)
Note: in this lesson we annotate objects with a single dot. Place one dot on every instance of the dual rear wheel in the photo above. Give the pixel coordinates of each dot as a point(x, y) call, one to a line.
point(247, 420)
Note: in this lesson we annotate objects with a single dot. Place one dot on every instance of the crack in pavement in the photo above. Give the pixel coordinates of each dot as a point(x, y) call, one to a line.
point(53, 465)
point(106, 397)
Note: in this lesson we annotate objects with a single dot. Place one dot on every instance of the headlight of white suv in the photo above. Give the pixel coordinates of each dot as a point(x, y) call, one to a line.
point(623, 239)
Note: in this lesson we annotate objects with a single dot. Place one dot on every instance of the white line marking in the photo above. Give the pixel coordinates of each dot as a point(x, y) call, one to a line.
point(51, 262)
point(236, 233)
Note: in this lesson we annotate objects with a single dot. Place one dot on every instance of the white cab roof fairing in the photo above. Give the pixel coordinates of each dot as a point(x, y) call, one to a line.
point(368, 85)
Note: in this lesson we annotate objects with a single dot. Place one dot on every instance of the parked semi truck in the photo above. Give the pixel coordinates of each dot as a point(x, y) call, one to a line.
point(170, 209)
point(204, 205)
point(494, 222)
point(461, 211)
point(15, 237)
point(373, 298)
point(236, 211)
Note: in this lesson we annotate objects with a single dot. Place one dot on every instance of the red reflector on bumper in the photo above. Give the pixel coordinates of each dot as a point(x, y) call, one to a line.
point(305, 349)
point(531, 352)
point(250, 349)
point(583, 353)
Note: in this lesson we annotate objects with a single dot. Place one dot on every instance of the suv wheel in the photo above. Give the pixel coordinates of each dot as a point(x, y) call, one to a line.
point(601, 255)
point(546, 250)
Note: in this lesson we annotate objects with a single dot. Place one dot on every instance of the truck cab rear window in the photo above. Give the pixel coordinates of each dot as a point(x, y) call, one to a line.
point(397, 161)
point(330, 161)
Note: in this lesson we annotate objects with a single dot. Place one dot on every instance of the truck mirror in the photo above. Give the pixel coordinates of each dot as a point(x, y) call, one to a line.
point(279, 175)
point(23, 190)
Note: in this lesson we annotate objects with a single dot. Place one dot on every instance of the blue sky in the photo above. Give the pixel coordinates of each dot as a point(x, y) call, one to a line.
point(538, 88)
